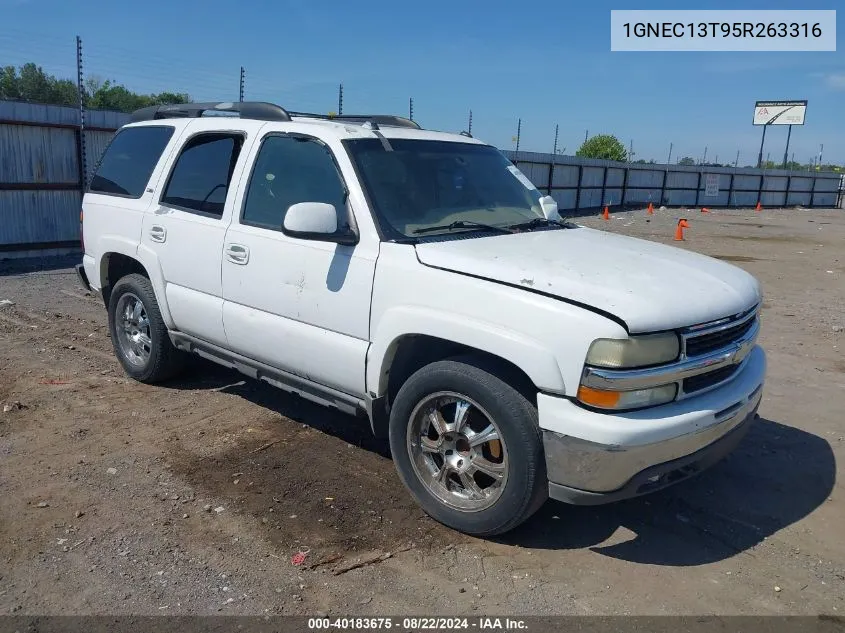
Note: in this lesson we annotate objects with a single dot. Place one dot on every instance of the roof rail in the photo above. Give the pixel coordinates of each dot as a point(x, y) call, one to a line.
point(389, 120)
point(260, 110)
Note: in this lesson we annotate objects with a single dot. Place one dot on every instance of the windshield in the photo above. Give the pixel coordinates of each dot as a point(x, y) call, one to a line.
point(422, 185)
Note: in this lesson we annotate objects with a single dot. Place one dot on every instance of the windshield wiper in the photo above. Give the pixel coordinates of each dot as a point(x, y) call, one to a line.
point(538, 222)
point(463, 224)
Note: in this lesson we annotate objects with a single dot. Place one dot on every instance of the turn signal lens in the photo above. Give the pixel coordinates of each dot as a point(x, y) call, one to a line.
point(602, 399)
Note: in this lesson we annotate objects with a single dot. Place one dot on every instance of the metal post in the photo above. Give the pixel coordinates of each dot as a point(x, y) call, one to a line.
point(83, 171)
point(554, 158)
point(698, 188)
point(821, 151)
point(411, 108)
point(340, 100)
point(762, 142)
point(604, 187)
point(469, 130)
point(626, 171)
point(786, 151)
point(669, 160)
point(518, 133)
point(578, 187)
point(730, 189)
point(243, 73)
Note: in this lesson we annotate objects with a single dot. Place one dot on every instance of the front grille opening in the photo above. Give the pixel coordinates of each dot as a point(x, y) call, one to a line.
point(698, 345)
point(703, 381)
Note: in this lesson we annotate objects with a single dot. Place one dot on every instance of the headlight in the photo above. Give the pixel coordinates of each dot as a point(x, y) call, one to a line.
point(640, 398)
point(636, 351)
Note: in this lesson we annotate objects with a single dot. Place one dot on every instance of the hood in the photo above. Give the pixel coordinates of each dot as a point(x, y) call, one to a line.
point(649, 286)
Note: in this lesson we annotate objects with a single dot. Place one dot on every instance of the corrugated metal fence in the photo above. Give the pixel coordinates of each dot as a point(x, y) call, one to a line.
point(587, 183)
point(41, 178)
point(40, 175)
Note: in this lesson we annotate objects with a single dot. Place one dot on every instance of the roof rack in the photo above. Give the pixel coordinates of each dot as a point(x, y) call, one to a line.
point(260, 110)
point(375, 120)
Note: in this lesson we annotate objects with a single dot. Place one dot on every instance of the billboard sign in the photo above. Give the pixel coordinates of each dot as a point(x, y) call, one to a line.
point(780, 112)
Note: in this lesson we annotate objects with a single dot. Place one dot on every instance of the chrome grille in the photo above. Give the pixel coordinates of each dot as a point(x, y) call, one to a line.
point(708, 379)
point(704, 339)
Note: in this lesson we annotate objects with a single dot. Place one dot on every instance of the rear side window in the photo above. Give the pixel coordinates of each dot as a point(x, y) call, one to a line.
point(200, 179)
point(129, 160)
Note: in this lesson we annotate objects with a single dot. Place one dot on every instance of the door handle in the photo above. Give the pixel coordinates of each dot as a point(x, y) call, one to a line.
point(158, 233)
point(237, 254)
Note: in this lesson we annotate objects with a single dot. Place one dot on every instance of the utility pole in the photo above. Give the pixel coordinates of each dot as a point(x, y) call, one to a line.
point(518, 133)
point(586, 135)
point(704, 158)
point(554, 151)
point(243, 74)
point(821, 150)
point(736, 162)
point(669, 160)
point(340, 100)
point(762, 142)
point(411, 108)
point(786, 151)
point(631, 151)
point(469, 129)
point(80, 89)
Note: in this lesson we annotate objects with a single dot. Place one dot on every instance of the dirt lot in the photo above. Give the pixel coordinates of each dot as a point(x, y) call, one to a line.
point(116, 497)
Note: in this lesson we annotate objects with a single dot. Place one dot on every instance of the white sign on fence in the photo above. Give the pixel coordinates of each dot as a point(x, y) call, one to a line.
point(780, 112)
point(711, 187)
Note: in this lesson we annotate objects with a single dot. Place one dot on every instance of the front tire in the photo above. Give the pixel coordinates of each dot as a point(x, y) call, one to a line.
point(138, 332)
point(468, 446)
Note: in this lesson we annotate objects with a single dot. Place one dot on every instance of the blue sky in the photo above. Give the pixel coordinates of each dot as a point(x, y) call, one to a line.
point(547, 62)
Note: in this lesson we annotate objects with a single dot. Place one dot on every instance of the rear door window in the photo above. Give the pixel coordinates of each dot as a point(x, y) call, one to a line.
point(200, 178)
point(129, 160)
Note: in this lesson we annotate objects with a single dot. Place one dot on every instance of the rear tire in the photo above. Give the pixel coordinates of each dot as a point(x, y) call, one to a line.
point(139, 334)
point(439, 422)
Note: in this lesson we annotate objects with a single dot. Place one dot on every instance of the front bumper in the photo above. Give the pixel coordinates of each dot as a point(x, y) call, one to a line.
point(594, 458)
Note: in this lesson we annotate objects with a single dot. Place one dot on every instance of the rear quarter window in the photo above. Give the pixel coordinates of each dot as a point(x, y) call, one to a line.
point(129, 160)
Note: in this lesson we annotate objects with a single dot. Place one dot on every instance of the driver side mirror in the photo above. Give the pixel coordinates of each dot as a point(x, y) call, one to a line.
point(549, 207)
point(316, 221)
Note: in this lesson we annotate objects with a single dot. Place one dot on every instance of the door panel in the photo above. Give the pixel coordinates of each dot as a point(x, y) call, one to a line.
point(186, 229)
point(300, 305)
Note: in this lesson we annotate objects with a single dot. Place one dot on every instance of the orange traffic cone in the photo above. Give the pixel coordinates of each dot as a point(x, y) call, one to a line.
point(650, 209)
point(679, 231)
point(759, 206)
point(705, 210)
point(606, 214)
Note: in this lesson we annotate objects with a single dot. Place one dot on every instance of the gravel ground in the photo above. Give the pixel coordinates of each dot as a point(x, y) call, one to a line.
point(192, 497)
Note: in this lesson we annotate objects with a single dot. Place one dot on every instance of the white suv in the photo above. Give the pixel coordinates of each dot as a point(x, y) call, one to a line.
point(420, 278)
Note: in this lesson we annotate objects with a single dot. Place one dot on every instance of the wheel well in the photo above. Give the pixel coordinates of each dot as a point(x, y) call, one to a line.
point(417, 350)
point(114, 267)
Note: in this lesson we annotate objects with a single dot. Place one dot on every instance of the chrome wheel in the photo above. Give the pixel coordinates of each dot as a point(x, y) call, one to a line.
point(133, 329)
point(457, 451)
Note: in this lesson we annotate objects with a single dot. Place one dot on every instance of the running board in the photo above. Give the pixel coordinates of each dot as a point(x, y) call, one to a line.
point(302, 387)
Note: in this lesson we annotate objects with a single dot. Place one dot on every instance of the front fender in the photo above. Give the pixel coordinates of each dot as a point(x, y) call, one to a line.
point(536, 360)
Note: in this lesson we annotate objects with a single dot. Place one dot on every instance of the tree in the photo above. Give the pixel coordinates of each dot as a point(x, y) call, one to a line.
point(31, 83)
point(687, 160)
point(604, 146)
